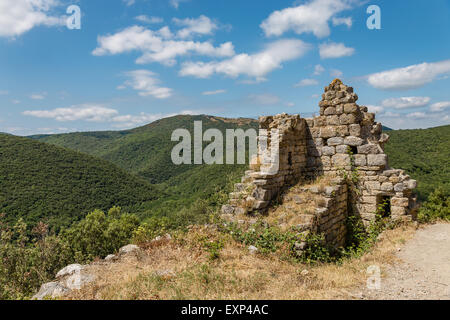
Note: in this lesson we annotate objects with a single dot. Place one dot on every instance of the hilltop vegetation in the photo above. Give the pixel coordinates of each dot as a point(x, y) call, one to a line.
point(40, 181)
point(424, 154)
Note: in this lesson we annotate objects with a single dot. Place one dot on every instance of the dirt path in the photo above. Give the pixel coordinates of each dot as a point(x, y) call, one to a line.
point(424, 269)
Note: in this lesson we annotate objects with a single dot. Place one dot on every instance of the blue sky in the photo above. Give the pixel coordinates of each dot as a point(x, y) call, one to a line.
point(133, 62)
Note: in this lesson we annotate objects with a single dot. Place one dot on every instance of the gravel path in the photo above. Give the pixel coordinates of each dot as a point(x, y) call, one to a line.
point(424, 270)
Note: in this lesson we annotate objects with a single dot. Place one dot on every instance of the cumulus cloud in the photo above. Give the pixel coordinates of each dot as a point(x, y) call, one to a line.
point(440, 106)
point(318, 69)
point(405, 102)
point(410, 77)
point(417, 115)
point(257, 65)
point(156, 47)
point(147, 84)
point(311, 17)
point(334, 50)
point(375, 109)
point(345, 21)
point(307, 82)
point(150, 20)
point(86, 112)
point(200, 26)
point(20, 16)
point(211, 93)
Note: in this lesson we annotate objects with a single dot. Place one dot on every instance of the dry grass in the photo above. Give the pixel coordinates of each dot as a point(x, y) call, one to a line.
point(181, 269)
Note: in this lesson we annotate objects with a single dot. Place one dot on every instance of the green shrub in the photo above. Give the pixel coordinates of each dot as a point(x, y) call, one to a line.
point(436, 207)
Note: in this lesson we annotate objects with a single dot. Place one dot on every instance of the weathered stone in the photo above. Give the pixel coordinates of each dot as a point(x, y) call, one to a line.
point(350, 108)
point(328, 151)
point(353, 141)
point(335, 141)
point(50, 290)
point(400, 202)
point(330, 111)
point(327, 132)
point(360, 159)
point(333, 120)
point(131, 248)
point(377, 160)
point(69, 270)
point(368, 149)
point(347, 118)
point(387, 186)
point(398, 187)
point(341, 160)
point(354, 130)
point(410, 184)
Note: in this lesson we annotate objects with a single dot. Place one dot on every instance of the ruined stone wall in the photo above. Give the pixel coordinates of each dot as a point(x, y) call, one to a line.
point(258, 187)
point(346, 137)
point(344, 140)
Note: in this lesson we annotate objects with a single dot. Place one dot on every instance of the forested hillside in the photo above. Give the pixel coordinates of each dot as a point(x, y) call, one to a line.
point(40, 181)
point(425, 156)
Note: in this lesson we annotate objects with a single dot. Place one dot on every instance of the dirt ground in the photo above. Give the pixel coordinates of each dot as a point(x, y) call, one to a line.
point(423, 271)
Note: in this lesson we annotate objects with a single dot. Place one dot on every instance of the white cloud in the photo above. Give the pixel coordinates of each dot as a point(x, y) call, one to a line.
point(146, 19)
point(256, 66)
point(38, 96)
point(307, 82)
point(318, 69)
point(86, 112)
point(375, 109)
point(334, 50)
point(210, 93)
point(155, 48)
point(335, 73)
point(310, 17)
point(439, 106)
point(201, 26)
point(417, 115)
point(129, 2)
point(405, 102)
point(176, 3)
point(413, 76)
point(147, 84)
point(264, 99)
point(346, 21)
point(20, 16)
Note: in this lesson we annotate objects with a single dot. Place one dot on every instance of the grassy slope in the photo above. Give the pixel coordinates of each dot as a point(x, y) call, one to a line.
point(39, 180)
point(424, 154)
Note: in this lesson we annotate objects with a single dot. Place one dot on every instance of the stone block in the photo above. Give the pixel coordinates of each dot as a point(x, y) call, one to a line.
point(328, 151)
point(327, 132)
point(335, 141)
point(377, 160)
point(368, 149)
point(341, 160)
point(360, 159)
point(353, 141)
point(350, 108)
point(354, 130)
point(387, 186)
point(330, 111)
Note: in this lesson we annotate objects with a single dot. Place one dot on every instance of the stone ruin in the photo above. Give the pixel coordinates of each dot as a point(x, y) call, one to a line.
point(343, 143)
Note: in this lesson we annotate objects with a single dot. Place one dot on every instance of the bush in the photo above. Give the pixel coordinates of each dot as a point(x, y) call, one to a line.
point(25, 263)
point(99, 235)
point(436, 207)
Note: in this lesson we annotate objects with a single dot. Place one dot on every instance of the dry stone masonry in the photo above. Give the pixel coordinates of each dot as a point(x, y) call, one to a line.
point(343, 141)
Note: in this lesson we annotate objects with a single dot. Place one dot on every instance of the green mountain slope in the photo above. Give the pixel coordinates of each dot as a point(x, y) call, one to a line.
point(146, 150)
point(424, 154)
point(42, 181)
